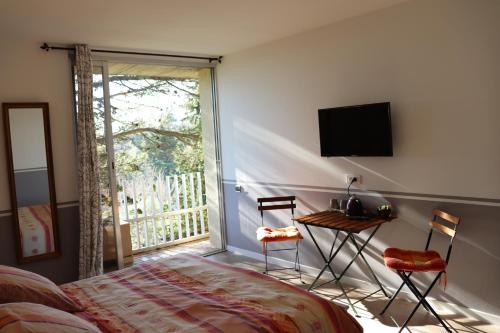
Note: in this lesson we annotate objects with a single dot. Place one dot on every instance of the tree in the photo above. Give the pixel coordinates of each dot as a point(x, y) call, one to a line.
point(165, 142)
point(156, 125)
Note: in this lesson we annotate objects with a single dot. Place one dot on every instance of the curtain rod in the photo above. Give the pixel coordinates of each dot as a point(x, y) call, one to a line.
point(47, 48)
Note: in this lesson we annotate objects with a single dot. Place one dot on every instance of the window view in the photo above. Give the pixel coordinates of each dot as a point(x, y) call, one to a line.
point(154, 134)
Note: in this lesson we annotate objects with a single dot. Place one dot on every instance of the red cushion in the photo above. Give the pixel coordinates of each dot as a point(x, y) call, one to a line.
point(413, 261)
point(267, 234)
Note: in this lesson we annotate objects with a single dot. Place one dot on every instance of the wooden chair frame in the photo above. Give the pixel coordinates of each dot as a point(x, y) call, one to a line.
point(268, 203)
point(405, 276)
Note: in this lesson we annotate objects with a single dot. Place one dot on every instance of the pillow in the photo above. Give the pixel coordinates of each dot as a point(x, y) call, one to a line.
point(37, 318)
point(17, 285)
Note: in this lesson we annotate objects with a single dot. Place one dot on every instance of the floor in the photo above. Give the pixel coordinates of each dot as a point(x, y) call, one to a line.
point(461, 320)
point(197, 247)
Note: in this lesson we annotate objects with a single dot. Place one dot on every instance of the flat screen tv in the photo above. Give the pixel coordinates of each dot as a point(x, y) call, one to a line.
point(358, 130)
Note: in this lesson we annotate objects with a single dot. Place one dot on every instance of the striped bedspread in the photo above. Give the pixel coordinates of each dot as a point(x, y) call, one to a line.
point(187, 293)
point(35, 223)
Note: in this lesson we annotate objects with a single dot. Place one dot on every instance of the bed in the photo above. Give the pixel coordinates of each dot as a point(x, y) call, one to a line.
point(188, 293)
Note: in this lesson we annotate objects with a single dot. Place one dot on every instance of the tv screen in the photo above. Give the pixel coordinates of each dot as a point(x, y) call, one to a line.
point(358, 130)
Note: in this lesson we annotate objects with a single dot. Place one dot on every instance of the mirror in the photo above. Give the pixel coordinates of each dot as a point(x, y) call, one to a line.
point(31, 178)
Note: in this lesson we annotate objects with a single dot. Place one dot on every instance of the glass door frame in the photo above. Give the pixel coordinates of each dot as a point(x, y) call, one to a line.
point(218, 161)
point(110, 154)
point(102, 63)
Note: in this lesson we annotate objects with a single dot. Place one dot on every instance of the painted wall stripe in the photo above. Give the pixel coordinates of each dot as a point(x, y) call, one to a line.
point(372, 193)
point(8, 212)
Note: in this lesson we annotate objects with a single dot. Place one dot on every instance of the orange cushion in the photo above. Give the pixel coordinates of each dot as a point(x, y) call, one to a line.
point(17, 285)
point(413, 261)
point(37, 318)
point(267, 234)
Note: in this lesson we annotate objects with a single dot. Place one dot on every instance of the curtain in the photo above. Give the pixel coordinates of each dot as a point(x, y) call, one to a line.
point(91, 233)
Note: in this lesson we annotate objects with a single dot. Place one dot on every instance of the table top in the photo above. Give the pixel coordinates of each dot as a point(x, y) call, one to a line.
point(338, 221)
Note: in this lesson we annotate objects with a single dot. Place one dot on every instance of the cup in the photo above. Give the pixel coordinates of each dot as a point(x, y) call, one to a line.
point(343, 204)
point(334, 204)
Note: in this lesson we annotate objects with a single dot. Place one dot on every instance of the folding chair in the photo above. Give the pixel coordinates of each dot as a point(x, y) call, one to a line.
point(406, 262)
point(268, 235)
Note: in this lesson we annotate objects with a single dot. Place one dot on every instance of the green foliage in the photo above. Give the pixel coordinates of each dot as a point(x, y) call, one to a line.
point(188, 158)
point(142, 103)
point(156, 124)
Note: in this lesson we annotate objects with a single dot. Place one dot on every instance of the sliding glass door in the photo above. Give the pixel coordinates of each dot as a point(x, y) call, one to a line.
point(156, 134)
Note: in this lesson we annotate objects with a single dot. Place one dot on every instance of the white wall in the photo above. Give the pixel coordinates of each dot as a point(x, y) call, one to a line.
point(27, 138)
point(28, 74)
point(437, 62)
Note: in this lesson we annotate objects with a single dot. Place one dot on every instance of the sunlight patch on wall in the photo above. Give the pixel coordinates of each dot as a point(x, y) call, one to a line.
point(280, 147)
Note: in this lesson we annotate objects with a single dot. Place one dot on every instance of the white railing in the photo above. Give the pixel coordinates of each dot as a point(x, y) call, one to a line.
point(163, 210)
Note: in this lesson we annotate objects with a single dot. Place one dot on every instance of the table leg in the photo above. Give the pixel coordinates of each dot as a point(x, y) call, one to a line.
point(334, 242)
point(368, 265)
point(327, 265)
point(359, 250)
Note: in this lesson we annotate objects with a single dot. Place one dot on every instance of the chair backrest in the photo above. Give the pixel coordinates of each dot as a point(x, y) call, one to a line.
point(275, 203)
point(444, 223)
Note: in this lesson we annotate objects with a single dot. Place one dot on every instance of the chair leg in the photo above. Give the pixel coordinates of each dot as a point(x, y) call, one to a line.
point(415, 291)
point(296, 256)
point(393, 297)
point(297, 261)
point(265, 255)
point(421, 300)
point(296, 265)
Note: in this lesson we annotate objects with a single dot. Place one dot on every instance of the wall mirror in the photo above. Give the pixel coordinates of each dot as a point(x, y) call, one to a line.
point(31, 178)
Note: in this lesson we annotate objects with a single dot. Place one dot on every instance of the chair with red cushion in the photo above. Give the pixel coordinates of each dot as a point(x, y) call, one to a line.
point(406, 262)
point(268, 235)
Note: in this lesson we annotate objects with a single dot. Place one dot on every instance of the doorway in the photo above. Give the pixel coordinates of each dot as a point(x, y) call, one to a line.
point(156, 131)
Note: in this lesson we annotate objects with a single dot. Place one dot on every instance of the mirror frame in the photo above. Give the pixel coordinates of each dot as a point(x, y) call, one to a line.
point(50, 172)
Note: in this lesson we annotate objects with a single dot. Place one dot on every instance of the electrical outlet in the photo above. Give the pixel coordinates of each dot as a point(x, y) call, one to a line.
point(349, 177)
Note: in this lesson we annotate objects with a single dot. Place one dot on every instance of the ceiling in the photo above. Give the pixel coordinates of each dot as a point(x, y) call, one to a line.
point(211, 27)
point(119, 68)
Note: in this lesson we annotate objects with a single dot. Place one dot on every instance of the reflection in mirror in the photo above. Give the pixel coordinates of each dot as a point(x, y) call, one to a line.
point(31, 179)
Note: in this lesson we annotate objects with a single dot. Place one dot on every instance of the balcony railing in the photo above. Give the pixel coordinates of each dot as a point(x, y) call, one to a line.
point(163, 209)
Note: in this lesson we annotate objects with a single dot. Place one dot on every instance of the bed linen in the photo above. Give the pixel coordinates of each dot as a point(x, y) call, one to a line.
point(37, 236)
point(187, 293)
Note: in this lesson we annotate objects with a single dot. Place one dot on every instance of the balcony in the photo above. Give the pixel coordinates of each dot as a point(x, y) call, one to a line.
point(161, 211)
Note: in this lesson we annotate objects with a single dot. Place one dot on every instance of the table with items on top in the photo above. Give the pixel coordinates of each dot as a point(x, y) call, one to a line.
point(338, 222)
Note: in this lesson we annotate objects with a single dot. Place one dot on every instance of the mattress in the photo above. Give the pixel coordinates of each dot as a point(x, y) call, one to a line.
point(187, 293)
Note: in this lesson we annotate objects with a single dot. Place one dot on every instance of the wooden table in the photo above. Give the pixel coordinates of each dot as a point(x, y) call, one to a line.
point(339, 223)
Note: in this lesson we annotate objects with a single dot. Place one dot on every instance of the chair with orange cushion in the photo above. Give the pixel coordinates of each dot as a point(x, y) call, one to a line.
point(290, 233)
point(406, 262)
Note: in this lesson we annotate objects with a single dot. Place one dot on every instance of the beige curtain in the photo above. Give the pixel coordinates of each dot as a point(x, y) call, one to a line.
point(90, 210)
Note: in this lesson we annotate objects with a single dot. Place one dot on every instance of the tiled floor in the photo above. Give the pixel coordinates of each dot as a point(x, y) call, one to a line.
point(461, 320)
